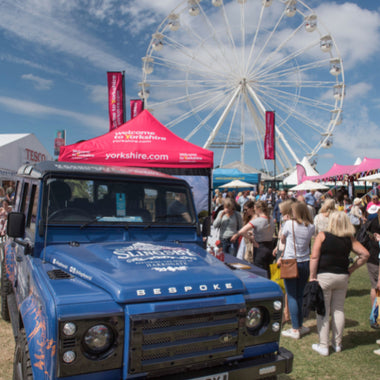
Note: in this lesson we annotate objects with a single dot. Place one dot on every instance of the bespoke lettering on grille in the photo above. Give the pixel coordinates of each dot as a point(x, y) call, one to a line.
point(186, 289)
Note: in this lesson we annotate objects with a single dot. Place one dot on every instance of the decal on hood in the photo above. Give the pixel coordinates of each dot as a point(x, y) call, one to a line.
point(157, 258)
point(72, 269)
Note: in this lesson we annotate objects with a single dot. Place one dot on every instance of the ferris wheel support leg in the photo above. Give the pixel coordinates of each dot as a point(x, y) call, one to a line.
point(222, 119)
point(278, 132)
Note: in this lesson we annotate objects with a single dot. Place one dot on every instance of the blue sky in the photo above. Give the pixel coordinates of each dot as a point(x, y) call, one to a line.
point(54, 57)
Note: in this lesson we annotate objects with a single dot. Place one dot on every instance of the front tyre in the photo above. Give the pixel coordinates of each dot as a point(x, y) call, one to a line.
point(22, 366)
point(6, 289)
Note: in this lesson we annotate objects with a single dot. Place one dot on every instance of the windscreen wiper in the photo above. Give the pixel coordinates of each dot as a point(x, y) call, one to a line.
point(94, 220)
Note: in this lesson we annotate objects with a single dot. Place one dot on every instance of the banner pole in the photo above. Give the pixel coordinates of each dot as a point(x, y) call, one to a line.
point(124, 104)
point(274, 148)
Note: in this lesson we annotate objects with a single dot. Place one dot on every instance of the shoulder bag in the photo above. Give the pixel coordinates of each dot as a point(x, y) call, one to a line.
point(289, 267)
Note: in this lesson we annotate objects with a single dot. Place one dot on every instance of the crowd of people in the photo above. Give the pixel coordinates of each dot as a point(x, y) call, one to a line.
point(6, 202)
point(320, 231)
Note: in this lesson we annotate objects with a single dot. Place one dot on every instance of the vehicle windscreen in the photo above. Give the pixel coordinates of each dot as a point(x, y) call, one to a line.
point(92, 201)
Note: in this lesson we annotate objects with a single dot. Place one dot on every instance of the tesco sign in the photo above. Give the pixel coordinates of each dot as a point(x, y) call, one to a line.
point(34, 156)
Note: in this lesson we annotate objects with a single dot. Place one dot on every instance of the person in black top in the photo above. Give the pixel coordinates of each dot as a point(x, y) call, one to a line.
point(373, 248)
point(330, 266)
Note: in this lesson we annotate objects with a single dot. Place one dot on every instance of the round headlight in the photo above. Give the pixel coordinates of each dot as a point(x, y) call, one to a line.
point(69, 329)
point(98, 339)
point(276, 327)
point(277, 305)
point(254, 318)
point(69, 357)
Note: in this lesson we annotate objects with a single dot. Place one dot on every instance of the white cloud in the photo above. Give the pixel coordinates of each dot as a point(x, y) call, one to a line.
point(58, 32)
point(39, 83)
point(98, 94)
point(357, 91)
point(34, 109)
point(355, 30)
point(357, 136)
point(22, 61)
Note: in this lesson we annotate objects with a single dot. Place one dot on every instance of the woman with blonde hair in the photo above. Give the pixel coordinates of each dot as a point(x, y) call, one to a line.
point(296, 235)
point(356, 215)
point(330, 266)
point(322, 218)
point(286, 214)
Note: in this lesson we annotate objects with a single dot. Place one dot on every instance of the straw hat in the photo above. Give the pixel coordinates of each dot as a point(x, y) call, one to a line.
point(357, 201)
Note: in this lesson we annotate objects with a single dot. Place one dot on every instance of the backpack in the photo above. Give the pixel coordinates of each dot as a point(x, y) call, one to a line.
point(362, 236)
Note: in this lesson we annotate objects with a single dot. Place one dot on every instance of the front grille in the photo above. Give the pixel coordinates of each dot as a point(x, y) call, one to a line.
point(68, 343)
point(162, 342)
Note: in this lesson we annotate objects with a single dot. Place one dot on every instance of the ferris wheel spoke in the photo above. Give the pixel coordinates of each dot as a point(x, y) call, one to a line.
point(242, 31)
point(270, 73)
point(297, 115)
point(208, 103)
point(192, 83)
point(274, 93)
point(232, 123)
point(284, 60)
point(291, 134)
point(278, 49)
point(218, 104)
point(185, 51)
point(293, 84)
point(222, 118)
point(203, 94)
point(184, 67)
point(253, 44)
point(263, 49)
point(230, 35)
point(219, 43)
point(287, 130)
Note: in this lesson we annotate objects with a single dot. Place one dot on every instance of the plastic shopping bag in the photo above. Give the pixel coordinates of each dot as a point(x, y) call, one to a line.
point(275, 275)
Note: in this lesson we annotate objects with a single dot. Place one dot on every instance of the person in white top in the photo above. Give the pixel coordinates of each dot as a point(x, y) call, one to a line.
point(297, 234)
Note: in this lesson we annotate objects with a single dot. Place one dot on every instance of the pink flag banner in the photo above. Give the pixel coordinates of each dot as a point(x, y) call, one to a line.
point(269, 136)
point(115, 99)
point(137, 106)
point(301, 173)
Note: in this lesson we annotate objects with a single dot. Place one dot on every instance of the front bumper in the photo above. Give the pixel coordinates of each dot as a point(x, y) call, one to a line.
point(249, 369)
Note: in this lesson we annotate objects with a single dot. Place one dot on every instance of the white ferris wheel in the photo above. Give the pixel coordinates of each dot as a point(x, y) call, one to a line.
point(214, 67)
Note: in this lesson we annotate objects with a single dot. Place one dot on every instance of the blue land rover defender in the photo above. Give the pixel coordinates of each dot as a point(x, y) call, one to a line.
point(103, 276)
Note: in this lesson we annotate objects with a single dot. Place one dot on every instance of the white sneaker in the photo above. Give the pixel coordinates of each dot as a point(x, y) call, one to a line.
point(291, 333)
point(337, 348)
point(304, 330)
point(320, 350)
point(378, 341)
point(377, 352)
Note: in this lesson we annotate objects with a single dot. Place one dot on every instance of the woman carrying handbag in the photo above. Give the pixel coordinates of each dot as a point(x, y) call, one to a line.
point(297, 234)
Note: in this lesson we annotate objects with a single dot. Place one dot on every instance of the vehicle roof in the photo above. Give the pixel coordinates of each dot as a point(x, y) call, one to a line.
point(40, 169)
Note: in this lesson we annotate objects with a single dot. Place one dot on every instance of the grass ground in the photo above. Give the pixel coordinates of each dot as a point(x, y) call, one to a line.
point(356, 361)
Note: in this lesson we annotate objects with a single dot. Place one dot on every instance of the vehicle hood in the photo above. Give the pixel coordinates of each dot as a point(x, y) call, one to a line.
point(138, 272)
